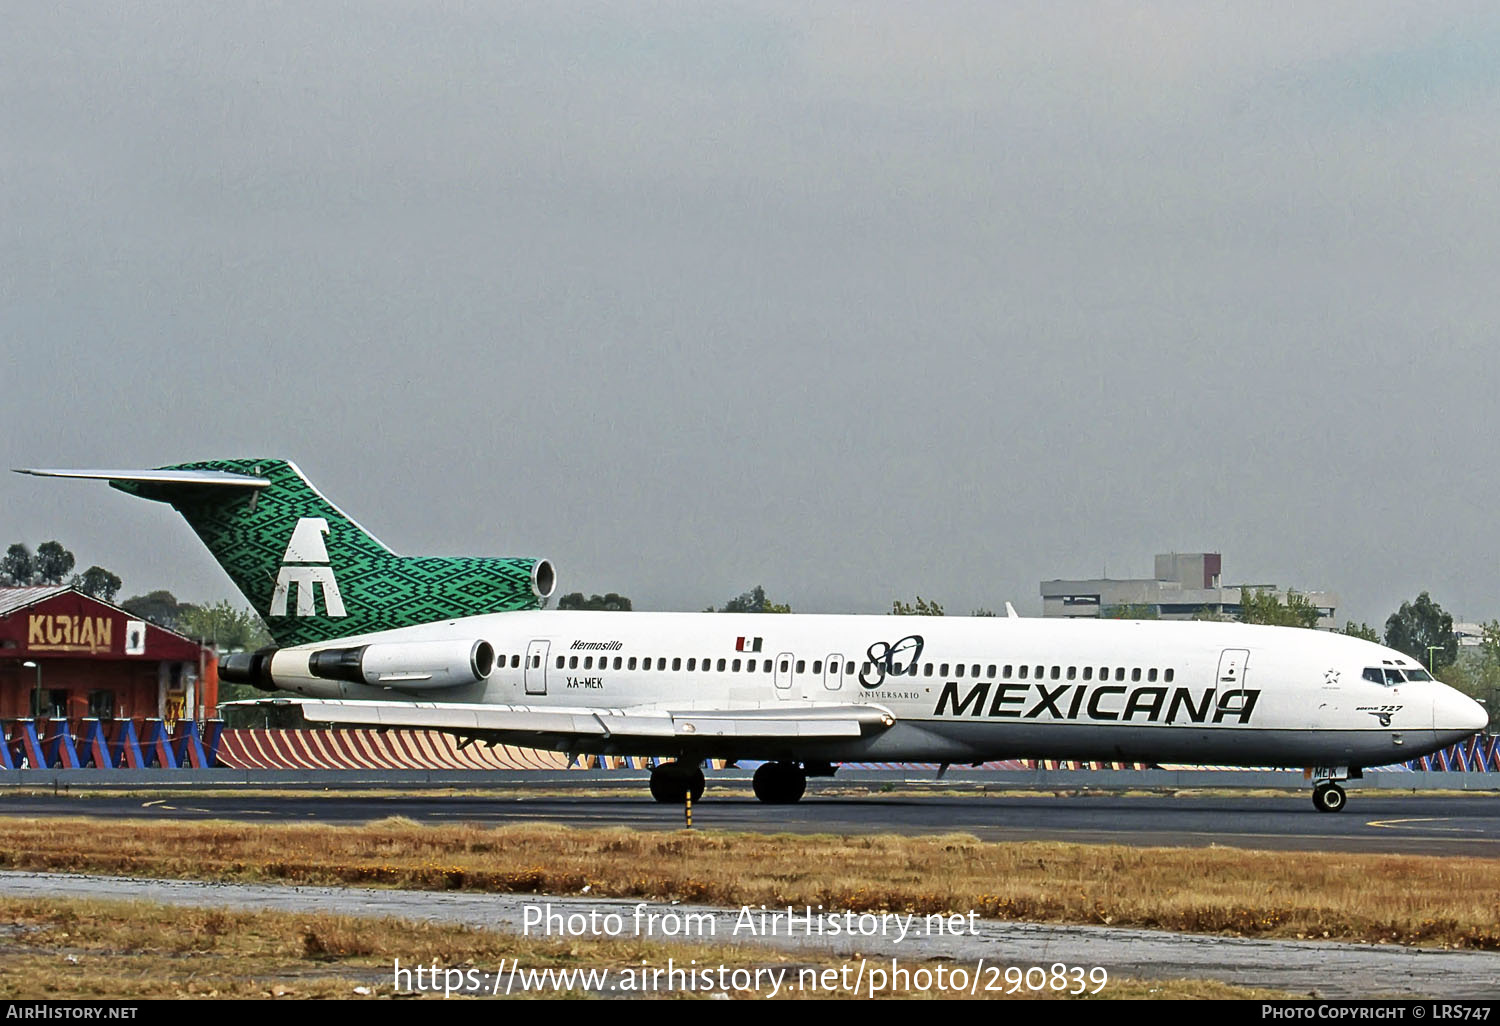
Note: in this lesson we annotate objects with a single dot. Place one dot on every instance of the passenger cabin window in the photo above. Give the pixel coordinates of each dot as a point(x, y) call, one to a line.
point(1135, 674)
point(721, 666)
point(1072, 673)
point(927, 669)
point(1151, 676)
point(1088, 673)
point(559, 662)
point(676, 663)
point(817, 666)
point(849, 667)
point(632, 662)
point(958, 671)
point(692, 665)
point(801, 665)
point(1024, 671)
point(992, 669)
point(1168, 676)
point(1056, 672)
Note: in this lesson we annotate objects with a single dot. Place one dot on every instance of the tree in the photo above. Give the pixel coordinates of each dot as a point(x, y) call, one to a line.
point(18, 567)
point(1130, 611)
point(610, 603)
point(922, 608)
point(98, 582)
point(1476, 671)
point(160, 607)
point(983, 612)
point(223, 625)
point(752, 601)
point(1419, 627)
point(1360, 630)
point(1265, 607)
point(53, 563)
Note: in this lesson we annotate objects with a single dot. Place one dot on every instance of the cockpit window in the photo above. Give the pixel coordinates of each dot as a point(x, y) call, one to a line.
point(1418, 675)
point(1394, 676)
point(1374, 674)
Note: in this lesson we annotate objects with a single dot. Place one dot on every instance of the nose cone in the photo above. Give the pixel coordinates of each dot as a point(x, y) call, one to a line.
point(1457, 715)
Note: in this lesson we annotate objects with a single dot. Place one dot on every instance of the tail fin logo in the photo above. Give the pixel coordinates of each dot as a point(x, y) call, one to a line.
point(307, 547)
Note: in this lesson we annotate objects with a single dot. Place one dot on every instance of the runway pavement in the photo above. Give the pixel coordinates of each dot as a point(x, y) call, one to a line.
point(1372, 822)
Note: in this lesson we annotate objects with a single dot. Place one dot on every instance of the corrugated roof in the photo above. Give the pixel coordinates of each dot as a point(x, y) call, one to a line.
point(12, 599)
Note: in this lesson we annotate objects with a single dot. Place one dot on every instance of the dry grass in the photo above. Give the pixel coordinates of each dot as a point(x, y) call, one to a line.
point(1407, 899)
point(79, 950)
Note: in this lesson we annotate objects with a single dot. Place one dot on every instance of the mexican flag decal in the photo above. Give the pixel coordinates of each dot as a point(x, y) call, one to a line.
point(747, 644)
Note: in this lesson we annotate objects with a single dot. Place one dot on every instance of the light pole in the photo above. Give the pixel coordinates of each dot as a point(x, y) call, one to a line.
point(1430, 667)
point(36, 713)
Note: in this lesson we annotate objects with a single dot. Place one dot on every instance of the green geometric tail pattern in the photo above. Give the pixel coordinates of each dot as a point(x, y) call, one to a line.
point(336, 567)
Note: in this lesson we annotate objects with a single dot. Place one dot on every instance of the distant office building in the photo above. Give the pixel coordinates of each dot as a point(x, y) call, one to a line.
point(1186, 586)
point(1469, 635)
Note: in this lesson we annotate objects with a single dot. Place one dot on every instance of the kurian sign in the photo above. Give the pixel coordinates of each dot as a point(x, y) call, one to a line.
point(62, 632)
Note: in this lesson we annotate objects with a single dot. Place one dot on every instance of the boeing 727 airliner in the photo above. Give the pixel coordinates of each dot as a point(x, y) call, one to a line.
point(371, 638)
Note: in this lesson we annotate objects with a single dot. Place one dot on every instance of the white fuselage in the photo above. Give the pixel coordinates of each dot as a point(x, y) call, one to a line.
point(960, 689)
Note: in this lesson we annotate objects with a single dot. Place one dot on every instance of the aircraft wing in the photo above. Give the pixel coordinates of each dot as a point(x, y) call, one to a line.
point(518, 723)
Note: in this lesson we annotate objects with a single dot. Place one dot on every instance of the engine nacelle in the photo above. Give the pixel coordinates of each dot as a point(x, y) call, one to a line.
point(406, 664)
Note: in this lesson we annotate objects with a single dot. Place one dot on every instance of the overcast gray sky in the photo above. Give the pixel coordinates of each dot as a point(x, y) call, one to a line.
point(856, 302)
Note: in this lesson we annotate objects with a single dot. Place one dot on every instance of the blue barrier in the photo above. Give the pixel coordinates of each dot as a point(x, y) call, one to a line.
point(59, 751)
point(187, 746)
point(126, 748)
point(94, 750)
point(157, 745)
point(1479, 754)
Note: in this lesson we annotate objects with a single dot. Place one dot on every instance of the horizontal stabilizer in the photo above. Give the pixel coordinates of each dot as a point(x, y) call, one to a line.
point(523, 722)
point(159, 477)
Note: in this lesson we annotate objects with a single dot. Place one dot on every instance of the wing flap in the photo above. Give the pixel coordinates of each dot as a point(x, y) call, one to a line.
point(811, 722)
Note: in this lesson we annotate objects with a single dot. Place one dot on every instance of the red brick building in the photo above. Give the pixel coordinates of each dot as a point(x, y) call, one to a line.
point(96, 660)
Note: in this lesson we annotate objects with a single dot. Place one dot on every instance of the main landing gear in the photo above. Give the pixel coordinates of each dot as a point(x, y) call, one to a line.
point(779, 783)
point(674, 781)
point(1328, 796)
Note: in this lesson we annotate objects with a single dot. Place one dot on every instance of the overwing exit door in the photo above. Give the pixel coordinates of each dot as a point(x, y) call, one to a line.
point(536, 667)
point(1231, 678)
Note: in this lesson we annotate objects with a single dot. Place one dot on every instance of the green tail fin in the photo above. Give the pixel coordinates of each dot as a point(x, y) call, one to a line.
point(313, 574)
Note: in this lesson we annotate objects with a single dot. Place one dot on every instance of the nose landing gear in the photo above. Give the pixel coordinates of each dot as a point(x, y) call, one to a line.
point(1329, 797)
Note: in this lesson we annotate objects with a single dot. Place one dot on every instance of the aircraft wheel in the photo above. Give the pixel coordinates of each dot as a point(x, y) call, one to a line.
point(673, 781)
point(779, 783)
point(1329, 798)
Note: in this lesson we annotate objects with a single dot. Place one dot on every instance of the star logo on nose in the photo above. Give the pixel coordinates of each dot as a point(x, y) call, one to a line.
point(1331, 677)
